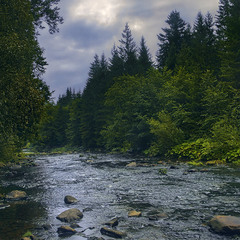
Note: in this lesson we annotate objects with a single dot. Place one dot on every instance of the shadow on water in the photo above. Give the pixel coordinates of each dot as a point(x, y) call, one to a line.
point(181, 202)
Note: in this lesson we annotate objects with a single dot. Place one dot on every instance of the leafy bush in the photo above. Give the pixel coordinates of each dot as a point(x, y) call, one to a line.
point(222, 145)
point(165, 132)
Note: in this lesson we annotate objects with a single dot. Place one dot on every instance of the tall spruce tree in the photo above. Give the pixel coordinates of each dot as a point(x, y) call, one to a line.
point(171, 41)
point(145, 58)
point(116, 63)
point(128, 51)
point(74, 135)
point(200, 53)
point(228, 29)
point(93, 102)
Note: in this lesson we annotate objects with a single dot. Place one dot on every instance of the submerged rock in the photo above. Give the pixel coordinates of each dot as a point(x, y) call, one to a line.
point(225, 224)
point(112, 223)
point(70, 200)
point(66, 230)
point(157, 216)
point(46, 227)
point(70, 215)
point(112, 233)
point(16, 195)
point(134, 213)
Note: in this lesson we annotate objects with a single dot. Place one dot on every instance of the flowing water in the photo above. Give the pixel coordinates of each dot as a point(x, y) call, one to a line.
point(106, 188)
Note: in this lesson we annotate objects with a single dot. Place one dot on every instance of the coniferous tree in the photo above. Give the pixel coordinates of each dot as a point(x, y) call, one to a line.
point(74, 135)
point(200, 53)
point(145, 58)
point(228, 30)
point(92, 102)
point(204, 43)
point(116, 63)
point(128, 51)
point(171, 41)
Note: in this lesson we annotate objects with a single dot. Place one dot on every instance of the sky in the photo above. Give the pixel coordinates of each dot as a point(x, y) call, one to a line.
point(93, 26)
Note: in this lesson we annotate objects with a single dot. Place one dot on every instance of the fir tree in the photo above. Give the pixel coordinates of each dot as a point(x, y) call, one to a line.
point(128, 51)
point(171, 41)
point(228, 23)
point(145, 58)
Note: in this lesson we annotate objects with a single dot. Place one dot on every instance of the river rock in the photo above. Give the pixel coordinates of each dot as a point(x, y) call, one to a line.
point(70, 200)
point(16, 195)
point(134, 213)
point(112, 233)
point(157, 216)
point(70, 215)
point(112, 223)
point(225, 224)
point(46, 227)
point(66, 230)
point(132, 164)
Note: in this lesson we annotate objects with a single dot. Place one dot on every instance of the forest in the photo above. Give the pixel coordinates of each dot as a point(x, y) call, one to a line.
point(182, 105)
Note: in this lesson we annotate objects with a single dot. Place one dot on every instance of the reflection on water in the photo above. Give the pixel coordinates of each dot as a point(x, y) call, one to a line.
point(106, 188)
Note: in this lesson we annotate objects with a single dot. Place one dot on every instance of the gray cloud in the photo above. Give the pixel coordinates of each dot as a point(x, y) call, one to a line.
point(92, 27)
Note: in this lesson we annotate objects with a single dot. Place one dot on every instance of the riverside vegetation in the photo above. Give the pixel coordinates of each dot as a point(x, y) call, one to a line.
point(185, 106)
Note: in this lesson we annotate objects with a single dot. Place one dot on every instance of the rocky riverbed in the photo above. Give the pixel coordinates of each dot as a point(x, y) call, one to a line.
point(134, 198)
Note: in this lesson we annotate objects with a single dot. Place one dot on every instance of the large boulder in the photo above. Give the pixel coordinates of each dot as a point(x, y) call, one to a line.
point(70, 215)
point(70, 200)
point(16, 195)
point(225, 224)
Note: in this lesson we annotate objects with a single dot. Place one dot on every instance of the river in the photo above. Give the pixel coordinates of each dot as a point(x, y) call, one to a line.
point(185, 199)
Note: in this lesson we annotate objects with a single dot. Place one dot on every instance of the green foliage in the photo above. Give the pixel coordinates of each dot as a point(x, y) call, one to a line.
point(46, 11)
point(132, 100)
point(166, 134)
point(223, 144)
point(61, 124)
point(195, 164)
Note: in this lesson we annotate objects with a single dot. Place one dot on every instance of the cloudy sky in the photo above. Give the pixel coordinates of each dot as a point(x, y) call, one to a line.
point(94, 26)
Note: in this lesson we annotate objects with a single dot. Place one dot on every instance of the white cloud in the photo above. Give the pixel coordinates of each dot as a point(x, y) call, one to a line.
point(102, 12)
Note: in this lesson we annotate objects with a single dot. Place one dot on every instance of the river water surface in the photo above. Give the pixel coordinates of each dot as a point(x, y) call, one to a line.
point(106, 188)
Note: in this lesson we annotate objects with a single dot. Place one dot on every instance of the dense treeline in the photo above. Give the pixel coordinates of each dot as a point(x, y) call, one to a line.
point(186, 105)
point(23, 94)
